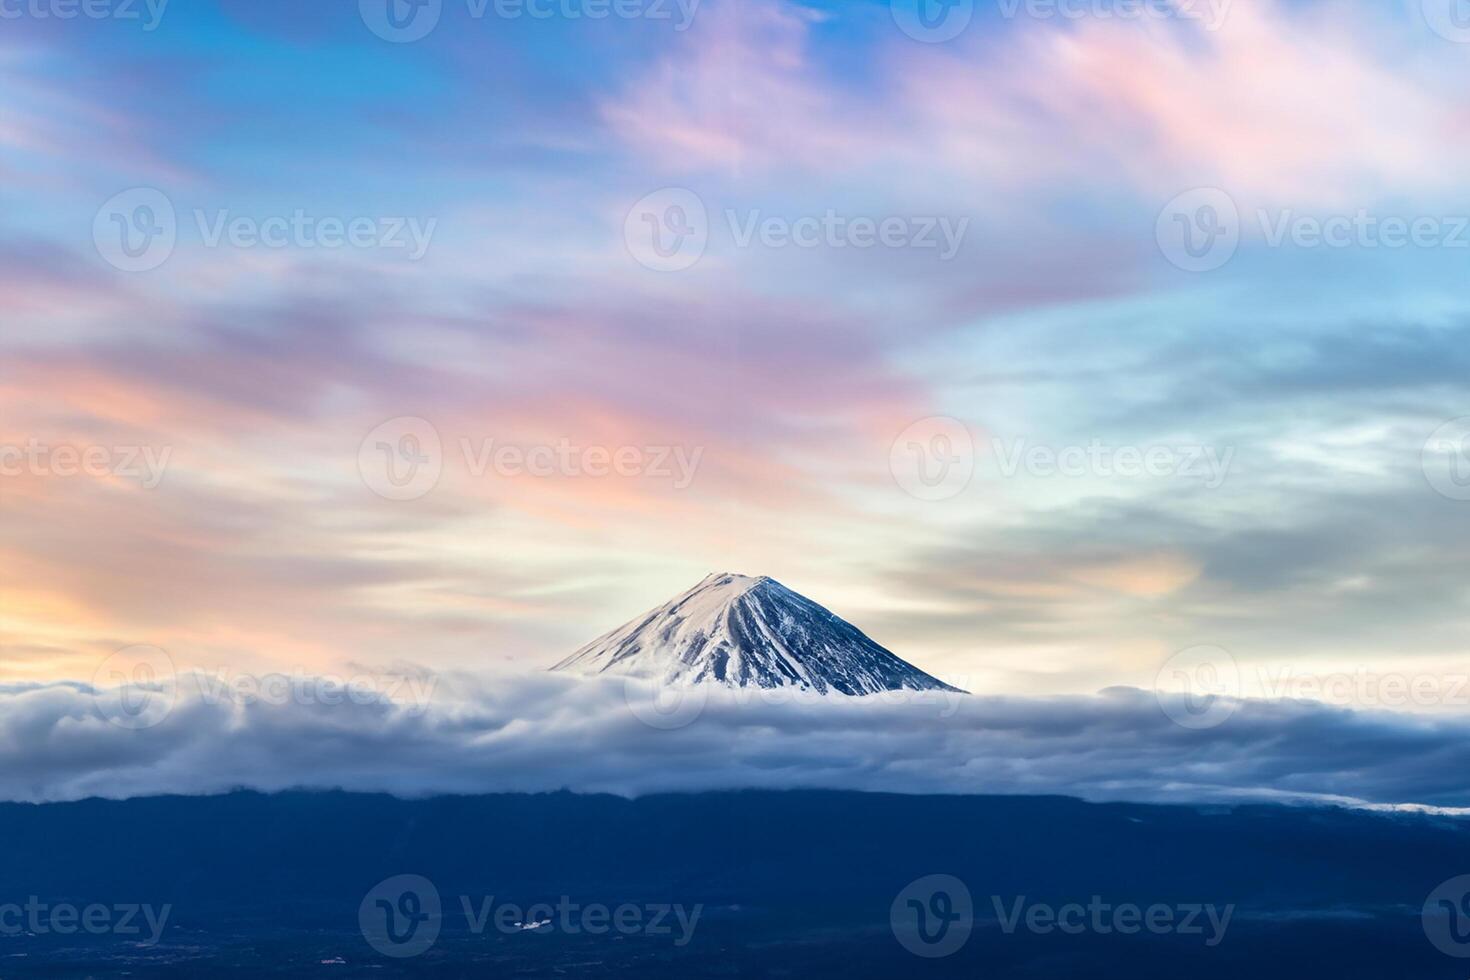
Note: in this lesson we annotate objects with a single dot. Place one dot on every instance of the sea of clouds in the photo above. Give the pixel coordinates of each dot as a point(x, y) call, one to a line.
point(474, 733)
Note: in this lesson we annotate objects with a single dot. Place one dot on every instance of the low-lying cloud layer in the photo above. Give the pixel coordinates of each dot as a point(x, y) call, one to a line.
point(537, 732)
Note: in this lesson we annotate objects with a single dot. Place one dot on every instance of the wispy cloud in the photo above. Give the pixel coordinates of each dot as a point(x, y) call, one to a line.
point(488, 733)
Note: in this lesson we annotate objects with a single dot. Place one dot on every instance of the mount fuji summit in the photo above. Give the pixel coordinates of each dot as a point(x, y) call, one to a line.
point(741, 631)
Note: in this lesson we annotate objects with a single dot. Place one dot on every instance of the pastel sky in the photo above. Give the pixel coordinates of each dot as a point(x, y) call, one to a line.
point(773, 395)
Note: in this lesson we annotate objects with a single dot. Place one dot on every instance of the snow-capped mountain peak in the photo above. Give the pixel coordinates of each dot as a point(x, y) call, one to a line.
point(744, 631)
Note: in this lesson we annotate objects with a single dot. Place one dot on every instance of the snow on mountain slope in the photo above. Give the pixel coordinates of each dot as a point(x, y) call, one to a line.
point(749, 632)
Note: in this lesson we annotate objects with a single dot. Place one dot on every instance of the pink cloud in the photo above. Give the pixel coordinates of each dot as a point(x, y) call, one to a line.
point(1309, 106)
point(1281, 106)
point(739, 94)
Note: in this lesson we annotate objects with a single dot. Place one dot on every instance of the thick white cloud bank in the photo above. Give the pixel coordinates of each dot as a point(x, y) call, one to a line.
point(479, 733)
